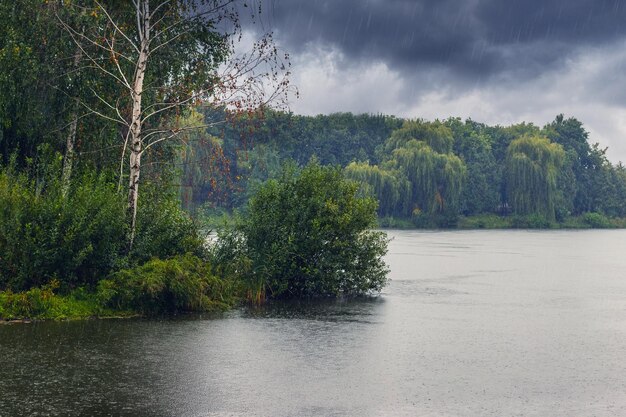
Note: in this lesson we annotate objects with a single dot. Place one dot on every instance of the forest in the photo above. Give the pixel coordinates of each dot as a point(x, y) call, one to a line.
point(423, 173)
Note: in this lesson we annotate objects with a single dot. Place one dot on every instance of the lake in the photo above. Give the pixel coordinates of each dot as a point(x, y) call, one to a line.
point(473, 323)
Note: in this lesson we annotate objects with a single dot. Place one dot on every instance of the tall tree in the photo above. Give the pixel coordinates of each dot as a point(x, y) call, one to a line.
point(165, 56)
point(481, 190)
point(419, 173)
point(392, 189)
point(533, 164)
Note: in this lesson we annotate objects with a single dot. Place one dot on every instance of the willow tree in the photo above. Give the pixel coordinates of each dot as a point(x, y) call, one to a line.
point(435, 134)
point(166, 56)
point(436, 178)
point(419, 172)
point(532, 168)
point(392, 189)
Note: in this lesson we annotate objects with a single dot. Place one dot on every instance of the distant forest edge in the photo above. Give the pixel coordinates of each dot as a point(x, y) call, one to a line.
point(449, 173)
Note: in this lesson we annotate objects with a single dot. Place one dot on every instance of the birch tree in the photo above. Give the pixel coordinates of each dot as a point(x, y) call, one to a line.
point(164, 56)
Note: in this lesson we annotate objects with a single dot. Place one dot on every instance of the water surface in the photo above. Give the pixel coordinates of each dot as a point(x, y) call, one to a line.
point(478, 323)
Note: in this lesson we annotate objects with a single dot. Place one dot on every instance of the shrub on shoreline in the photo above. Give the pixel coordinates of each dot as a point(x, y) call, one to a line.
point(308, 234)
point(180, 284)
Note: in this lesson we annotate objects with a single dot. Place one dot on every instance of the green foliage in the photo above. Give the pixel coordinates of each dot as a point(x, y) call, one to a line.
point(256, 166)
point(253, 147)
point(531, 221)
point(390, 222)
point(421, 220)
point(43, 303)
point(480, 192)
point(392, 190)
point(81, 237)
point(419, 177)
point(597, 221)
point(307, 235)
point(163, 228)
point(183, 283)
point(485, 221)
point(435, 134)
point(77, 238)
point(39, 81)
point(533, 165)
point(427, 173)
point(214, 218)
point(436, 178)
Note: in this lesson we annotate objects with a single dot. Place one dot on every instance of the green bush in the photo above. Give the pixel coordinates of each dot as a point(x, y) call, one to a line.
point(597, 221)
point(183, 283)
point(531, 221)
point(81, 236)
point(44, 234)
point(163, 228)
point(422, 220)
point(389, 222)
point(306, 235)
point(484, 221)
point(44, 303)
point(29, 304)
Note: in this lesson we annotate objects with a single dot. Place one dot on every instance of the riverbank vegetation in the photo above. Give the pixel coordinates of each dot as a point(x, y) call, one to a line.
point(127, 132)
point(99, 102)
point(426, 174)
point(306, 234)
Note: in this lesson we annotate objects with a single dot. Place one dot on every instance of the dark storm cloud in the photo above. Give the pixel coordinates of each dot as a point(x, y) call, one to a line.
point(568, 21)
point(472, 38)
point(496, 61)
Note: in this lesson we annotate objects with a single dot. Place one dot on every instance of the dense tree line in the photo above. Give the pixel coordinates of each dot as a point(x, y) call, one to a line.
point(418, 169)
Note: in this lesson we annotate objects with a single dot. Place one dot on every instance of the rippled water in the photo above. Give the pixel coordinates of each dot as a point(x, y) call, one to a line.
point(480, 323)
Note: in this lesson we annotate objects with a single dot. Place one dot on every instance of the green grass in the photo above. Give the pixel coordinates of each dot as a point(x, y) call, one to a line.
point(395, 223)
point(484, 221)
point(493, 221)
point(43, 304)
point(180, 284)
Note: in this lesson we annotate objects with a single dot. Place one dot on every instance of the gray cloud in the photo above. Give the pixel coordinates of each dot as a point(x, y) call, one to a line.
point(496, 61)
point(471, 38)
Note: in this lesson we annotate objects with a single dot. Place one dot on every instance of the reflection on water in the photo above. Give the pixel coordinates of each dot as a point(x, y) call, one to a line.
point(351, 310)
point(484, 323)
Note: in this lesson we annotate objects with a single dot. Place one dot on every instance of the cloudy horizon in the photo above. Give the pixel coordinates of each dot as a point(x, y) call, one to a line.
point(492, 61)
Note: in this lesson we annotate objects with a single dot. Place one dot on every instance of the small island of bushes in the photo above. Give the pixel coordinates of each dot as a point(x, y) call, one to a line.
point(65, 256)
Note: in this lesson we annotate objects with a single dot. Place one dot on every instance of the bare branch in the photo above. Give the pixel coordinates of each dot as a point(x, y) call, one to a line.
point(176, 132)
point(106, 13)
point(72, 34)
point(167, 42)
point(169, 106)
point(109, 105)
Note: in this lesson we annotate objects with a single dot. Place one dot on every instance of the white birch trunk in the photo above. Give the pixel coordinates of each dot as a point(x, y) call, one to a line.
point(136, 118)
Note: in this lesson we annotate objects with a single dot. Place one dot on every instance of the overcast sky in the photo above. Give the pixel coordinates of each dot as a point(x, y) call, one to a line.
point(496, 61)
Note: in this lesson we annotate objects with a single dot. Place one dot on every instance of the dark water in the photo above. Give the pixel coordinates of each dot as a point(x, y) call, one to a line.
point(484, 323)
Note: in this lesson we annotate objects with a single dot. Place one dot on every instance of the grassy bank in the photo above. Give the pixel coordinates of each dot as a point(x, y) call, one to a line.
point(44, 304)
point(181, 284)
point(492, 221)
point(584, 221)
point(481, 221)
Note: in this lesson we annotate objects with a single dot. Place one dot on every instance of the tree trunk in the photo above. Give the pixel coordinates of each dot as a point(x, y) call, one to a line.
point(136, 121)
point(68, 160)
